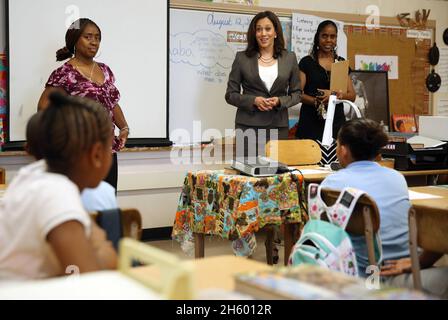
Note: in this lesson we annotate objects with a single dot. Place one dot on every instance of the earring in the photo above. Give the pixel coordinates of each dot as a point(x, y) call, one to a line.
point(317, 47)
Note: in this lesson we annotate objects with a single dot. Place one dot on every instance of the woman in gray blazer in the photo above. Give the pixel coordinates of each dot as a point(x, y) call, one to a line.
point(263, 84)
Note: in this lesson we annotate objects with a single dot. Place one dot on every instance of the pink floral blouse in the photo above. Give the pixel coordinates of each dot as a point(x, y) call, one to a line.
point(75, 84)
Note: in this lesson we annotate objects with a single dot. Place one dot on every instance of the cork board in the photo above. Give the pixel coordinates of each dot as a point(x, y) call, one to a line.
point(407, 94)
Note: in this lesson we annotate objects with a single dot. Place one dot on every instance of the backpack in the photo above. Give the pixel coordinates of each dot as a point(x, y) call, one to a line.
point(326, 243)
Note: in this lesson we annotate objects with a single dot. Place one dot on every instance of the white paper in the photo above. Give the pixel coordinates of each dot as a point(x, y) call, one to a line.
point(427, 142)
point(442, 107)
point(442, 69)
point(304, 28)
point(314, 171)
point(378, 63)
point(421, 196)
point(419, 34)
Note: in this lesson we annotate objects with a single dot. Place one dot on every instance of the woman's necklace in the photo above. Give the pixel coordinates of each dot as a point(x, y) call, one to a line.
point(80, 71)
point(265, 60)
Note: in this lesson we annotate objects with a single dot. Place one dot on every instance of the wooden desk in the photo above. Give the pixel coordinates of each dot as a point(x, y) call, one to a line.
point(213, 272)
point(421, 174)
point(441, 203)
point(234, 207)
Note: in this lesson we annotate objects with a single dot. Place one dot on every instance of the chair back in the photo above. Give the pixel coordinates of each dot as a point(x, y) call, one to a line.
point(2, 176)
point(163, 272)
point(119, 223)
point(428, 229)
point(365, 219)
point(294, 152)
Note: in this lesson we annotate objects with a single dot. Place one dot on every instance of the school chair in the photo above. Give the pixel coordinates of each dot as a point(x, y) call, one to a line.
point(119, 223)
point(2, 176)
point(294, 152)
point(162, 272)
point(365, 219)
point(291, 153)
point(428, 230)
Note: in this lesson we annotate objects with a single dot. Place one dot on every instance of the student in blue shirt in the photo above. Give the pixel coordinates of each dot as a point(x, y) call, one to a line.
point(99, 198)
point(358, 144)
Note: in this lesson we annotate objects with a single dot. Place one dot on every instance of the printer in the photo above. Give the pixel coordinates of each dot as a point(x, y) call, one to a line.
point(421, 152)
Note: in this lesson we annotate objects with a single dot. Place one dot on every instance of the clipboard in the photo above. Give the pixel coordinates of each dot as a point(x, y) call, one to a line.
point(339, 76)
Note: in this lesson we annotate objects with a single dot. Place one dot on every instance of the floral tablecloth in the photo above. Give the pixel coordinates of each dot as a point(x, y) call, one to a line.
point(234, 207)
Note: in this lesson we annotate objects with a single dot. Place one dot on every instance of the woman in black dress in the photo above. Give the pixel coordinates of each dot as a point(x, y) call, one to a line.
point(315, 82)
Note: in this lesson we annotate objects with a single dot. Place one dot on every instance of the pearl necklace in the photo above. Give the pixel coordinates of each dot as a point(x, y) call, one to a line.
point(81, 72)
point(266, 60)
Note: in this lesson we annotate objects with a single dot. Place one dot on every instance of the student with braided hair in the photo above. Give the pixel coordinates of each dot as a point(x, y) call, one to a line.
point(44, 229)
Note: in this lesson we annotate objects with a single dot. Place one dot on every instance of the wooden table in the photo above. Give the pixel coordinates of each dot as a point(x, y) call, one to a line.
point(421, 174)
point(212, 272)
point(235, 206)
point(441, 203)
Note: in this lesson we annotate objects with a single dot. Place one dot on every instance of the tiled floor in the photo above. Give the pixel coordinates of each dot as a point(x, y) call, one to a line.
point(215, 246)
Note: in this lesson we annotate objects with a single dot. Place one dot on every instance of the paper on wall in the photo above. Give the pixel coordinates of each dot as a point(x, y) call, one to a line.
point(304, 27)
point(442, 69)
point(378, 63)
point(442, 107)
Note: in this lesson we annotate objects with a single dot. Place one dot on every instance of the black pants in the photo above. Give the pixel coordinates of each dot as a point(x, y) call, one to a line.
point(251, 141)
point(112, 176)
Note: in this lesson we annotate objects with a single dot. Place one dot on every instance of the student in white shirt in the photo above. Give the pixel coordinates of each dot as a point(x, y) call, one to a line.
point(94, 199)
point(44, 229)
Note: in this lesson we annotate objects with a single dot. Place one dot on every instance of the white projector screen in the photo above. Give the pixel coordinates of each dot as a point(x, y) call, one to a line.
point(134, 45)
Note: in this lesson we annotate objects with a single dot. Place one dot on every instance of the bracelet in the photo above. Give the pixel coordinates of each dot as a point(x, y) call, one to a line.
point(125, 129)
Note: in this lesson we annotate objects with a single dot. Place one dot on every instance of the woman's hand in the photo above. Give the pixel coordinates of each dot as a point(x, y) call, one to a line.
point(274, 102)
point(323, 98)
point(263, 104)
point(123, 136)
point(396, 267)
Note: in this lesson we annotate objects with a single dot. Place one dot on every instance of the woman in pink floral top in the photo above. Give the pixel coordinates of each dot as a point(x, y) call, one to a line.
point(82, 76)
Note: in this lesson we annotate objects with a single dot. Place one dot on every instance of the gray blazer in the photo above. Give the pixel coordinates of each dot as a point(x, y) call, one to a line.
point(245, 75)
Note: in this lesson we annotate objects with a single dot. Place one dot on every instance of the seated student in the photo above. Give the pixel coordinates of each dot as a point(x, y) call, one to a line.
point(358, 144)
point(100, 198)
point(397, 273)
point(32, 131)
point(44, 229)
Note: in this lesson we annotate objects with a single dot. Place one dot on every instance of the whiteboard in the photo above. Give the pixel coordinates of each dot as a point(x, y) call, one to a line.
point(134, 45)
point(200, 62)
point(203, 45)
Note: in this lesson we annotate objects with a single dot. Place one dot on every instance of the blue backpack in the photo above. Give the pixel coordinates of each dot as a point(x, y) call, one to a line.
point(326, 243)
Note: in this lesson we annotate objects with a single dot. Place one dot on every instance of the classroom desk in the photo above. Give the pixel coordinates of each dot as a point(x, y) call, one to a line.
point(235, 207)
point(426, 175)
point(212, 272)
point(441, 203)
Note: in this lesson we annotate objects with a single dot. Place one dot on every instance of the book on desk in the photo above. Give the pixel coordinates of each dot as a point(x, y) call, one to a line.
point(306, 282)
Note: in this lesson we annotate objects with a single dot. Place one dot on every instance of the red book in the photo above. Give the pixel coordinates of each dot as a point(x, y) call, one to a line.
point(404, 123)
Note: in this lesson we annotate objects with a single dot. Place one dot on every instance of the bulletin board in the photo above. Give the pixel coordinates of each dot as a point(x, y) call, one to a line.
point(407, 94)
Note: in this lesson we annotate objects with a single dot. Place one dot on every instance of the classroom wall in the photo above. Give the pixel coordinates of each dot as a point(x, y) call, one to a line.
point(150, 182)
point(388, 8)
